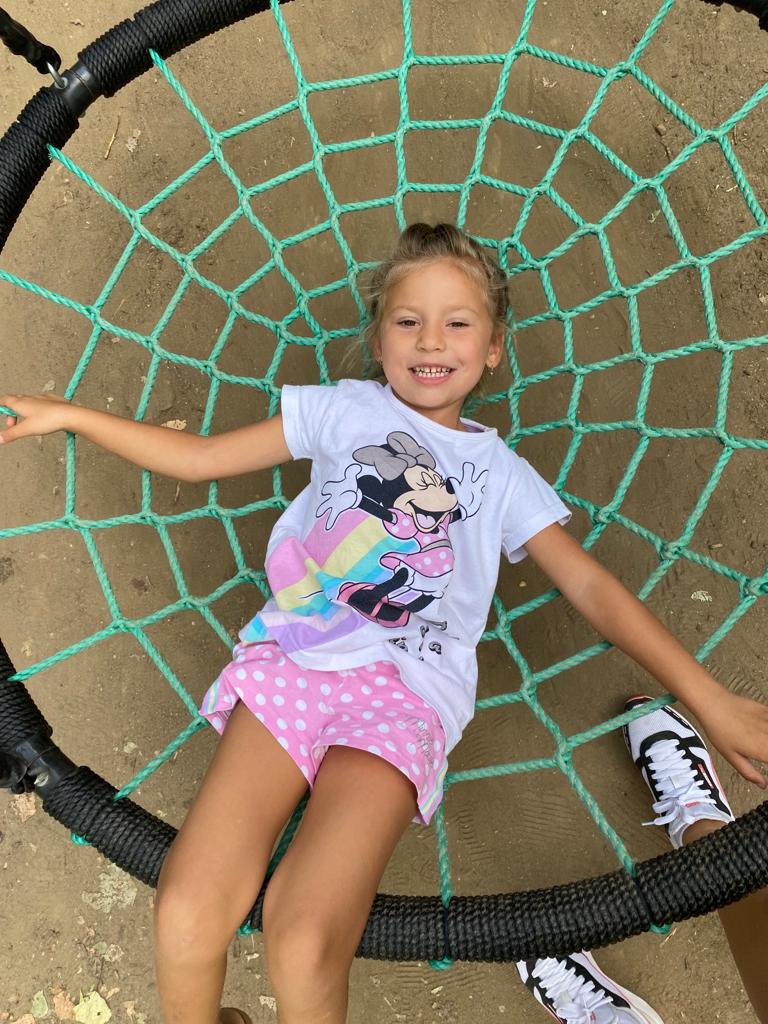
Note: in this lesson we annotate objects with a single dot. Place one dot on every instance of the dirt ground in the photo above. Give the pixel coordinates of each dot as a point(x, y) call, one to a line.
point(75, 930)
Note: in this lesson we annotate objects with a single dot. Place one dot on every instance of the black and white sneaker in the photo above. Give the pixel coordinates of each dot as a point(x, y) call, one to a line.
point(574, 990)
point(678, 769)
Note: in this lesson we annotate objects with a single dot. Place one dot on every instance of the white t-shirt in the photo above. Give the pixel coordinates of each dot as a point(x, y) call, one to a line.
point(392, 550)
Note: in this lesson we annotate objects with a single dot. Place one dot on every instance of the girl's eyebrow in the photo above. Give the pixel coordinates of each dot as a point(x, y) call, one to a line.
point(450, 310)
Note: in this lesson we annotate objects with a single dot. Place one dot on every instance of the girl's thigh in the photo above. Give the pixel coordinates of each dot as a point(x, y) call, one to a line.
point(249, 791)
point(359, 808)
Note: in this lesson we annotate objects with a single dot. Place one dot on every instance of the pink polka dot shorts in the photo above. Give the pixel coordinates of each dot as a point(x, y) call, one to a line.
point(308, 711)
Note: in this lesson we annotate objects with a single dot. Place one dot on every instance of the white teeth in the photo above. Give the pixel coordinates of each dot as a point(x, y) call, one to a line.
point(423, 372)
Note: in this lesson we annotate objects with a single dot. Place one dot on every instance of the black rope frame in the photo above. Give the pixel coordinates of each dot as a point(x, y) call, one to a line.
point(703, 876)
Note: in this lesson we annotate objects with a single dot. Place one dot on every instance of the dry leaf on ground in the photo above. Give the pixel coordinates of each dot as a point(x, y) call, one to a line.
point(92, 1009)
point(63, 1006)
point(24, 805)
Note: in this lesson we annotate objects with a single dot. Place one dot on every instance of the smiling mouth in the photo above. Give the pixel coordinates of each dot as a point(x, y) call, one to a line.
point(431, 372)
point(425, 520)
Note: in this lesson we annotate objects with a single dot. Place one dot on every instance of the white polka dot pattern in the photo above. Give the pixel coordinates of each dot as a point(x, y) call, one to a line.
point(309, 711)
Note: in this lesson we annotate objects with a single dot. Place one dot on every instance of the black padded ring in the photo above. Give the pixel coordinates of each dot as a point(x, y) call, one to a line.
point(703, 876)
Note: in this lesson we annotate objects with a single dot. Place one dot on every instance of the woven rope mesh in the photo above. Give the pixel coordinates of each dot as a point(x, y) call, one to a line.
point(631, 349)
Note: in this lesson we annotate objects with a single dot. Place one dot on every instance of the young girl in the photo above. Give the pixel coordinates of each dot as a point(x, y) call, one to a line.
point(358, 676)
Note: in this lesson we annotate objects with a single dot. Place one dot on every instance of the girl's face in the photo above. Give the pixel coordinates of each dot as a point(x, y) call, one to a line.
point(435, 339)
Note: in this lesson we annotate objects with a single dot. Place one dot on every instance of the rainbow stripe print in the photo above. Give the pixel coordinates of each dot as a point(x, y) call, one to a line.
point(305, 579)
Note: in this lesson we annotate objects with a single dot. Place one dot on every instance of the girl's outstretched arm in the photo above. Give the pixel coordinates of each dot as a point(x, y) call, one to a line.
point(737, 726)
point(173, 453)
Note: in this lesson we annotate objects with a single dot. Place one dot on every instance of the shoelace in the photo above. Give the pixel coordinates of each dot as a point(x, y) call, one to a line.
point(667, 761)
point(576, 999)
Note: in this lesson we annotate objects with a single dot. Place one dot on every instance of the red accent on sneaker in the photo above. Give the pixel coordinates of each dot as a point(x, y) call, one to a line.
point(703, 769)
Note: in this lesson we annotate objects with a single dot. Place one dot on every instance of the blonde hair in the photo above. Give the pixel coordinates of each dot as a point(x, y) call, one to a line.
point(418, 245)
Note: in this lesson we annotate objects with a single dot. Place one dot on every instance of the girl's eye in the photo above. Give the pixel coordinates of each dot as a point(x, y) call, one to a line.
point(411, 322)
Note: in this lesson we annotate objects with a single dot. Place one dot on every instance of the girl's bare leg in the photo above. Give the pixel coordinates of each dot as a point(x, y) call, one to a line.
point(319, 898)
point(216, 866)
point(746, 927)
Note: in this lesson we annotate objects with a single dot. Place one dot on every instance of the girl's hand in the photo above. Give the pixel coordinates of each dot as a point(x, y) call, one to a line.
point(738, 727)
point(41, 414)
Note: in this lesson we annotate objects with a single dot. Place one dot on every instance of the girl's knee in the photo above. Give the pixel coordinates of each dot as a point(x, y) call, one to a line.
point(303, 952)
point(190, 924)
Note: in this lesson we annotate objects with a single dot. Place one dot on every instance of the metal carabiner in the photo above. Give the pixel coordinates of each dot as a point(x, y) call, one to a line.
point(59, 81)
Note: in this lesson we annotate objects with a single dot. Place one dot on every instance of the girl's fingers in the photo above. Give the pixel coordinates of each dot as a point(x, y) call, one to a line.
point(14, 432)
point(745, 767)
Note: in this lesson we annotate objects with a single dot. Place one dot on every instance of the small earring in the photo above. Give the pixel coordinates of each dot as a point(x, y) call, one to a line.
point(491, 368)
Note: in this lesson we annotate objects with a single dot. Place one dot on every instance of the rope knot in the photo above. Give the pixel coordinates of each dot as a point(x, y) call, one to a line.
point(755, 588)
point(670, 552)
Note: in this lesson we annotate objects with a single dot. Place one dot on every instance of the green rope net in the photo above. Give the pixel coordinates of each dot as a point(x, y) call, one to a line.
point(571, 368)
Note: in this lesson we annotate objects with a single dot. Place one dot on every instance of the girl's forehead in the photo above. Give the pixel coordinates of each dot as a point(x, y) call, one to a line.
point(439, 282)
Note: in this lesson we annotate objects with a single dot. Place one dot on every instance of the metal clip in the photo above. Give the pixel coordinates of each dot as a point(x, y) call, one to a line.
point(59, 81)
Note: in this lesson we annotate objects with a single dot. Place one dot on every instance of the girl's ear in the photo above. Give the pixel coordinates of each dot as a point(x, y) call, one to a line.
point(496, 347)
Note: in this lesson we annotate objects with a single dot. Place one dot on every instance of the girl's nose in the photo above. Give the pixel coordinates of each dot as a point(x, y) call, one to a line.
point(430, 338)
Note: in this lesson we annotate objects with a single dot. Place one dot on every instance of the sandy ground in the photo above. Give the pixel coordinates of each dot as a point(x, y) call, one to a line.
point(75, 929)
